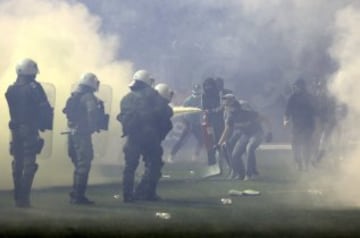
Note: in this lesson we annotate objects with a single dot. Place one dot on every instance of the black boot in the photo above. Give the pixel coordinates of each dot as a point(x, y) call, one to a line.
point(26, 185)
point(152, 195)
point(17, 185)
point(77, 195)
point(128, 186)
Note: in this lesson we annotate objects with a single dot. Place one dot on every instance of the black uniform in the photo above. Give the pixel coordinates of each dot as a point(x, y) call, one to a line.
point(211, 102)
point(30, 112)
point(82, 124)
point(145, 118)
point(300, 110)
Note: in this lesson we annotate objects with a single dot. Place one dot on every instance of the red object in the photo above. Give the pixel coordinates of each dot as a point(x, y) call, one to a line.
point(208, 130)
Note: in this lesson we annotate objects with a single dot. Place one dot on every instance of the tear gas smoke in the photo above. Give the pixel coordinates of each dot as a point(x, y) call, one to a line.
point(66, 41)
point(345, 85)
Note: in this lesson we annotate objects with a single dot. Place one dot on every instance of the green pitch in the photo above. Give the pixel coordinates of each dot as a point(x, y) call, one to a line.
point(290, 204)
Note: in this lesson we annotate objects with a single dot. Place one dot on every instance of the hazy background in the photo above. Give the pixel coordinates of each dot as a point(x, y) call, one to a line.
point(258, 47)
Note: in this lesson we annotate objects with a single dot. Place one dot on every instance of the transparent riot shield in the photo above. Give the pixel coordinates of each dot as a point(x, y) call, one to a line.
point(101, 139)
point(47, 135)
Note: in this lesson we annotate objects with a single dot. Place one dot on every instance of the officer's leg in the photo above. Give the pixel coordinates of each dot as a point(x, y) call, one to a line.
point(17, 169)
point(146, 189)
point(30, 168)
point(251, 147)
point(236, 157)
point(84, 156)
point(71, 150)
point(132, 155)
point(154, 165)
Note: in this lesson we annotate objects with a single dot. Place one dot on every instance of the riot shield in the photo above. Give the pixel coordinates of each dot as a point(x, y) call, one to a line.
point(47, 135)
point(101, 139)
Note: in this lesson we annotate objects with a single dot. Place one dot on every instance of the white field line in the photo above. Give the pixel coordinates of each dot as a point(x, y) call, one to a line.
point(275, 147)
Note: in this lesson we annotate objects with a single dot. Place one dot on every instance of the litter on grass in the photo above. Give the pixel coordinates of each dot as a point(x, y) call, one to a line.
point(316, 192)
point(163, 215)
point(226, 201)
point(117, 196)
point(246, 192)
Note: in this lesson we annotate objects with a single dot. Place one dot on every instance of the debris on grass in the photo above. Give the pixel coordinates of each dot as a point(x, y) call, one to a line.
point(166, 176)
point(210, 171)
point(117, 196)
point(315, 192)
point(226, 201)
point(163, 215)
point(246, 192)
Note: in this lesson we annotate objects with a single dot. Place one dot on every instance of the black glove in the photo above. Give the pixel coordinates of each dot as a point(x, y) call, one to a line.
point(269, 137)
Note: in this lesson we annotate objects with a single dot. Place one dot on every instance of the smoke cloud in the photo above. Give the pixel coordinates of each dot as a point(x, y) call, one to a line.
point(66, 40)
point(258, 47)
point(345, 85)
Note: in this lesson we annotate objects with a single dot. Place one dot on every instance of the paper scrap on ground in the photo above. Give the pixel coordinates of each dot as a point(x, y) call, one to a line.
point(246, 192)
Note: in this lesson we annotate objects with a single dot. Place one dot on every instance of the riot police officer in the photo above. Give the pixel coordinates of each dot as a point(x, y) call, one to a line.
point(84, 113)
point(145, 119)
point(30, 112)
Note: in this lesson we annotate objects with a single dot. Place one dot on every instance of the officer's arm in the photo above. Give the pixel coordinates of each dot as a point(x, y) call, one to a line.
point(91, 105)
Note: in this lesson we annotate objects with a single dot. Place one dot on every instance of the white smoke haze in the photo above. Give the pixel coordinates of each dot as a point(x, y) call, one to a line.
point(346, 86)
point(66, 41)
point(258, 47)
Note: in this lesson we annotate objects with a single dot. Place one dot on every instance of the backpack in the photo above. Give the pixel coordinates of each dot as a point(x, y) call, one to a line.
point(134, 113)
point(72, 108)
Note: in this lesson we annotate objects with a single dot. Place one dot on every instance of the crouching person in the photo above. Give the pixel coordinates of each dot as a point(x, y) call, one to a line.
point(244, 133)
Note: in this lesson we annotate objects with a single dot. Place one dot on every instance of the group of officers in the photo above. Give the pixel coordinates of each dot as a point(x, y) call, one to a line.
point(145, 116)
point(232, 127)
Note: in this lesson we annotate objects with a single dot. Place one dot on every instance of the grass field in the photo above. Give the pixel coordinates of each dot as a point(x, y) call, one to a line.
point(291, 204)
